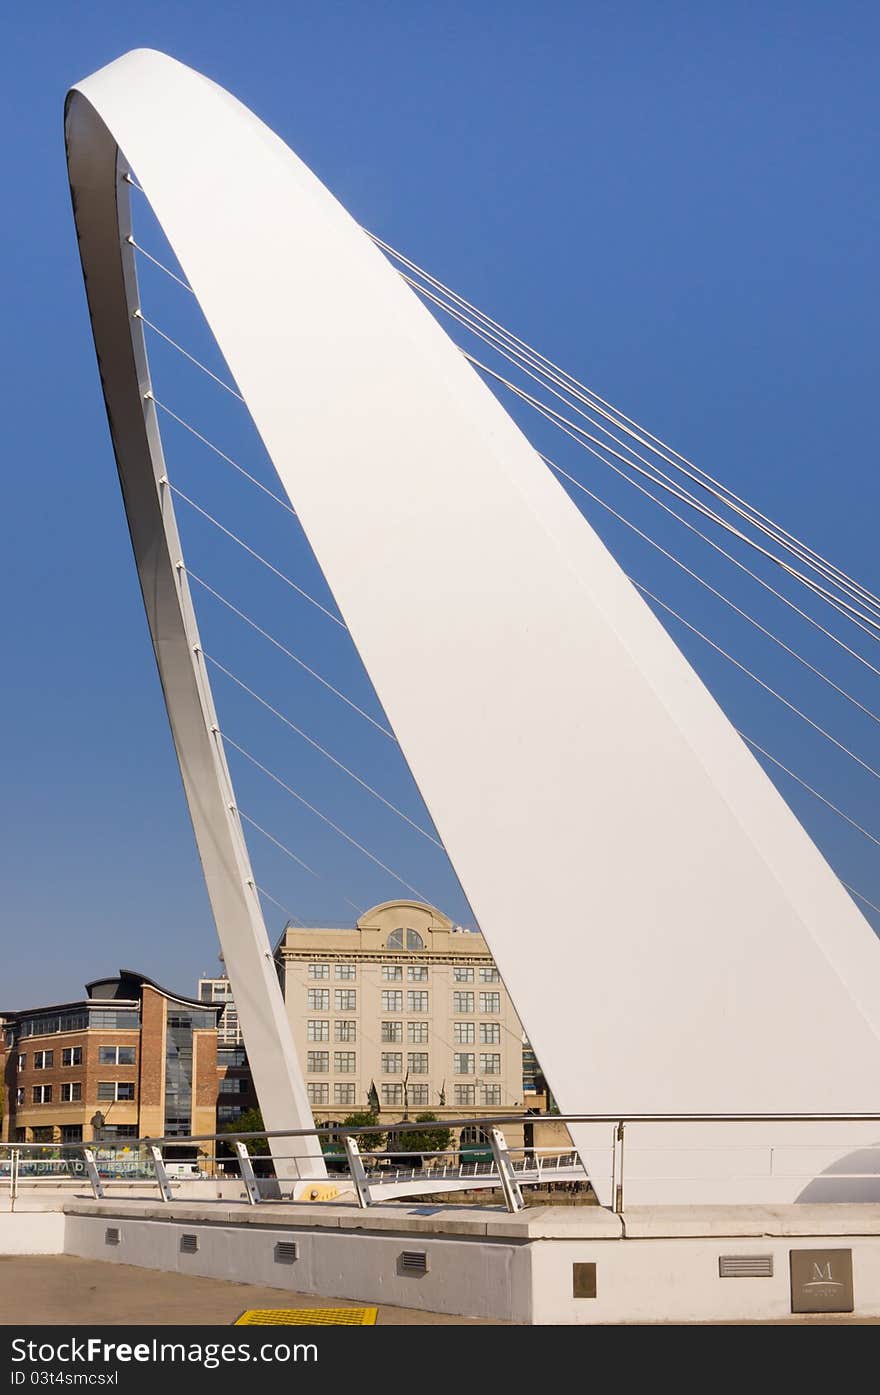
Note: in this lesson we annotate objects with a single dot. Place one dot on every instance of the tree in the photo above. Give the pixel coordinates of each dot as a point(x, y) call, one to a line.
point(425, 1140)
point(366, 1142)
point(251, 1122)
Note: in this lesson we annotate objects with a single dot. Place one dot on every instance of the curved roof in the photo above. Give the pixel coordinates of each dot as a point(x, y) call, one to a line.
point(368, 919)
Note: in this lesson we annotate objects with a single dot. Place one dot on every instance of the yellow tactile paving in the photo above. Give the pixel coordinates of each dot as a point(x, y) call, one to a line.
point(297, 1317)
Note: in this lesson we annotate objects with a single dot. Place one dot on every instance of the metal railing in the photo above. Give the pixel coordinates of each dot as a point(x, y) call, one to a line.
point(375, 1175)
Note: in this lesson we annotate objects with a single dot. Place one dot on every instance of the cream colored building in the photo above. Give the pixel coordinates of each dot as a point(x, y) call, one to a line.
point(405, 1002)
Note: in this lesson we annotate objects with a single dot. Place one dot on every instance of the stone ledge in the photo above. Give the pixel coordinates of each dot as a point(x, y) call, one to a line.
point(670, 1222)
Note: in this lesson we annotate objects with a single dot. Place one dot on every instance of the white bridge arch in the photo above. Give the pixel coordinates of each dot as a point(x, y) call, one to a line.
point(580, 775)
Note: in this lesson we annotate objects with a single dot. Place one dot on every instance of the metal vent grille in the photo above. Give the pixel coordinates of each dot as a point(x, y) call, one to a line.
point(111, 1235)
point(413, 1262)
point(286, 1252)
point(189, 1244)
point(745, 1266)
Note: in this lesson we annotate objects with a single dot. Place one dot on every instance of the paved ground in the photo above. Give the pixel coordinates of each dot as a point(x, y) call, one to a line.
point(59, 1289)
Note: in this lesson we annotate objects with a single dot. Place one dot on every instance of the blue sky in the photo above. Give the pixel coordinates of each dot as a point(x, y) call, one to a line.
point(678, 202)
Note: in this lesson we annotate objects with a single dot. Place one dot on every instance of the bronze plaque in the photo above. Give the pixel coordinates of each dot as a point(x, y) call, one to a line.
point(583, 1280)
point(821, 1281)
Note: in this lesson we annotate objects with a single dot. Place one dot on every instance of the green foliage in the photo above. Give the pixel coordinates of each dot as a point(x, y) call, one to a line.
point(367, 1142)
point(251, 1122)
point(425, 1140)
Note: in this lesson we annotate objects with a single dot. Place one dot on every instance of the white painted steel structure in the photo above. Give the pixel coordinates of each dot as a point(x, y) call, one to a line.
point(579, 773)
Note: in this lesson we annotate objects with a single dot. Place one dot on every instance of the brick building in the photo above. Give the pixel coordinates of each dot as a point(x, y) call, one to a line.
point(129, 1060)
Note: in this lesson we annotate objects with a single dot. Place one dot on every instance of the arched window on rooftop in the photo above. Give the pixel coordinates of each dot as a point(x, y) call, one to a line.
point(405, 939)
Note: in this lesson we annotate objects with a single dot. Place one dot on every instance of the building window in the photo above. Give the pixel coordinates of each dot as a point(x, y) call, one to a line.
point(319, 971)
point(392, 1031)
point(115, 1056)
point(317, 1029)
point(115, 1089)
point(317, 1062)
point(19, 1095)
point(345, 1093)
point(391, 973)
point(417, 1062)
point(490, 1002)
point(417, 973)
point(318, 1092)
point(491, 1094)
point(22, 1062)
point(392, 1094)
point(44, 1135)
point(345, 1062)
point(43, 1059)
point(417, 1000)
point(462, 1033)
point(113, 1019)
point(345, 999)
point(490, 976)
point(71, 1092)
point(392, 1062)
point(227, 1112)
point(418, 1094)
point(462, 1002)
point(405, 939)
point(42, 1094)
point(490, 1033)
point(345, 1030)
point(416, 1033)
point(462, 974)
point(463, 1062)
point(231, 1056)
point(465, 1094)
point(346, 971)
point(232, 1085)
point(490, 1063)
point(392, 1000)
point(319, 999)
point(71, 1133)
point(72, 1056)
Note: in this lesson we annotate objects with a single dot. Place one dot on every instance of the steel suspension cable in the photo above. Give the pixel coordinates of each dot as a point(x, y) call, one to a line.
point(620, 420)
point(288, 653)
point(258, 557)
point(755, 679)
point(576, 432)
point(321, 749)
point(325, 818)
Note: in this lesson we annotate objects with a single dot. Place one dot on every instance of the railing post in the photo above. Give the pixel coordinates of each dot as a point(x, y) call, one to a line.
point(246, 1167)
point(161, 1174)
point(92, 1170)
point(358, 1172)
point(13, 1177)
point(618, 1168)
point(509, 1185)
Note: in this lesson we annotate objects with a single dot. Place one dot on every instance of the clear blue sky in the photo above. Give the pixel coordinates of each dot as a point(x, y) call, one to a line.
point(678, 201)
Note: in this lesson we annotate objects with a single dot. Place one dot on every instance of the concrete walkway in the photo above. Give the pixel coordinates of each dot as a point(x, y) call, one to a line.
point(61, 1289)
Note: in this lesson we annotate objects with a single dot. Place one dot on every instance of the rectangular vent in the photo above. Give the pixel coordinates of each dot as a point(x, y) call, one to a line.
point(413, 1263)
point(745, 1266)
point(111, 1235)
point(286, 1252)
point(189, 1244)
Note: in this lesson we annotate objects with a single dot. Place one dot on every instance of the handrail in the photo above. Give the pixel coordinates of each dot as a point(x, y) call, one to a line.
point(482, 1122)
point(380, 1173)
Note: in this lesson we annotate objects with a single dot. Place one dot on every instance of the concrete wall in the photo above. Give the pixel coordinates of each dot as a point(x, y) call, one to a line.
point(32, 1233)
point(469, 1277)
